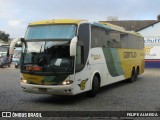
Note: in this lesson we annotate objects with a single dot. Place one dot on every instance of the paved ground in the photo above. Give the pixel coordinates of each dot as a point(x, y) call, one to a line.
point(142, 95)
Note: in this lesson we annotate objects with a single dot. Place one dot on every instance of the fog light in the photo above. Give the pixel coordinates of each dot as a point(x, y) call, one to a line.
point(67, 82)
point(24, 81)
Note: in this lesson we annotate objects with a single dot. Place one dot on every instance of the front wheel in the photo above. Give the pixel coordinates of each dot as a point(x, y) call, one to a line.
point(95, 87)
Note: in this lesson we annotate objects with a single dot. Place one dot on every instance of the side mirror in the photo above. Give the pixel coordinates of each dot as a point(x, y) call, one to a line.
point(12, 45)
point(73, 46)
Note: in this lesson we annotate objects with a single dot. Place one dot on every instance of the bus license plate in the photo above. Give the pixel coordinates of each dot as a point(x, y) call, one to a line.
point(44, 90)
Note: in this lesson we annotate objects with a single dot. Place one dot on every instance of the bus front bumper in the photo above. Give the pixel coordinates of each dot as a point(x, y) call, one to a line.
point(48, 89)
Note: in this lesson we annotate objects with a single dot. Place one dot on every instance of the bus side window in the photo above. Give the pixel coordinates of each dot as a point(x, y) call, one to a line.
point(124, 40)
point(83, 44)
point(96, 37)
point(79, 56)
point(114, 39)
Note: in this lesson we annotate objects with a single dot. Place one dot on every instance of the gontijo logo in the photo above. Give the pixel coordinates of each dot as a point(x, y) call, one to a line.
point(130, 54)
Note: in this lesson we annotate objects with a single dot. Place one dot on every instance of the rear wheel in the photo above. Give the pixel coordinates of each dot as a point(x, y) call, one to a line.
point(133, 76)
point(137, 73)
point(95, 87)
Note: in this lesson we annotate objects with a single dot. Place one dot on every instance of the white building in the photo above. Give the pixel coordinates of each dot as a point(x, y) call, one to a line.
point(151, 35)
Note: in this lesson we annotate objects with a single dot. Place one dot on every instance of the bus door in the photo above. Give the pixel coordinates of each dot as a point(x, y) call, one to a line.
point(83, 71)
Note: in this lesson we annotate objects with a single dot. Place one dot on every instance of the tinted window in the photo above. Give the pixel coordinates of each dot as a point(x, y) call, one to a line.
point(51, 32)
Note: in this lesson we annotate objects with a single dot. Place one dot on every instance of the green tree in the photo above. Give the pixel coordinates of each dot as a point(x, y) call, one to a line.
point(4, 36)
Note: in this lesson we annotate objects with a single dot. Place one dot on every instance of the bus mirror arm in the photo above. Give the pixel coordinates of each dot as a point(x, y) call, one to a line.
point(73, 46)
point(23, 41)
point(12, 45)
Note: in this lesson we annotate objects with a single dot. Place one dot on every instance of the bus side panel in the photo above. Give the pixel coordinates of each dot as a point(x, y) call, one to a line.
point(101, 61)
point(131, 58)
point(112, 64)
point(107, 62)
point(113, 61)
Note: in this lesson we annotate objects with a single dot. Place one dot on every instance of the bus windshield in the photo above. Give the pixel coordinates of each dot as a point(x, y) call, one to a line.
point(51, 56)
point(50, 32)
point(3, 51)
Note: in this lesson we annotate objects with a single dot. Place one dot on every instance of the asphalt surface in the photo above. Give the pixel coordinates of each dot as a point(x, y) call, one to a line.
point(142, 95)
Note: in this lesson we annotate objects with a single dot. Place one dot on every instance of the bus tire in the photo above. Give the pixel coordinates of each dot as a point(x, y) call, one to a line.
point(133, 76)
point(137, 73)
point(95, 87)
point(1, 66)
point(16, 66)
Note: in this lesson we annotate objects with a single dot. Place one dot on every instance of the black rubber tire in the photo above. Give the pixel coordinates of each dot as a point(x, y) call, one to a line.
point(136, 75)
point(133, 76)
point(1, 66)
point(95, 87)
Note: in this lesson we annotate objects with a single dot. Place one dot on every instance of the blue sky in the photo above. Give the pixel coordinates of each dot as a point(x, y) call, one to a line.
point(16, 14)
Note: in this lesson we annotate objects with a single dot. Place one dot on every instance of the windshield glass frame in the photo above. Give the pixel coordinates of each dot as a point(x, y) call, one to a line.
point(60, 38)
point(52, 68)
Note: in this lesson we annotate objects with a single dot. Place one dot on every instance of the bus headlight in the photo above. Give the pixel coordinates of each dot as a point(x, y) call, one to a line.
point(24, 81)
point(67, 82)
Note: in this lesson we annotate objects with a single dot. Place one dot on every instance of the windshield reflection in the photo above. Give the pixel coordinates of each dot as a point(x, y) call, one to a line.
point(50, 32)
point(52, 56)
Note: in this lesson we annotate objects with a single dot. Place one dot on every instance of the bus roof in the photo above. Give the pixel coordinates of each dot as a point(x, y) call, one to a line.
point(113, 26)
point(78, 21)
point(57, 21)
point(121, 29)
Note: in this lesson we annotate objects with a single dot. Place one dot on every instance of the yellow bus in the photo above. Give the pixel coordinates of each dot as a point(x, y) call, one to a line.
point(68, 56)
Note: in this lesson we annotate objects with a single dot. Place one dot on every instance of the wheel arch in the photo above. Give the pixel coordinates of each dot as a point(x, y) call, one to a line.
point(95, 73)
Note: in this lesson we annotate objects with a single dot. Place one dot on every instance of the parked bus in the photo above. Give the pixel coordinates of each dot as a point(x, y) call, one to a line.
point(16, 56)
point(5, 58)
point(68, 57)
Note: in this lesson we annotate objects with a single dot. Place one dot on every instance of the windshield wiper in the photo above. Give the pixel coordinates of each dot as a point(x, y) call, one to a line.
point(41, 58)
point(45, 53)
